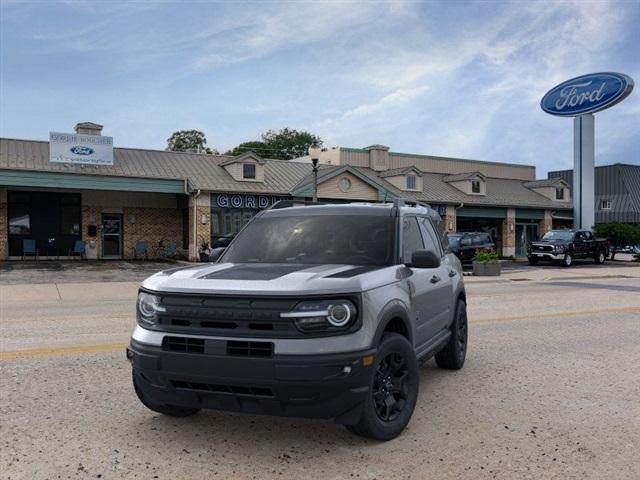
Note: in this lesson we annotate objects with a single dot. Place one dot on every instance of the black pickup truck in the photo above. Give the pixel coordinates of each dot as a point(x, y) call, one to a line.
point(565, 246)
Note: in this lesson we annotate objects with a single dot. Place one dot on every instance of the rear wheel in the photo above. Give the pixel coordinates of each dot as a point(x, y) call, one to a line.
point(452, 356)
point(600, 257)
point(393, 390)
point(169, 410)
point(567, 261)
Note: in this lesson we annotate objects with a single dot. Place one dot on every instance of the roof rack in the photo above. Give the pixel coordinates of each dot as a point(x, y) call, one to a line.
point(401, 202)
point(293, 203)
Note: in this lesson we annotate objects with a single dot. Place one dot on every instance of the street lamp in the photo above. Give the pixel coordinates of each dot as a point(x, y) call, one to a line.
point(314, 153)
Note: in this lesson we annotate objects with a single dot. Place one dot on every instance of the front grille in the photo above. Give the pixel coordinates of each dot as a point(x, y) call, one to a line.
point(543, 248)
point(250, 349)
point(225, 389)
point(183, 344)
point(227, 316)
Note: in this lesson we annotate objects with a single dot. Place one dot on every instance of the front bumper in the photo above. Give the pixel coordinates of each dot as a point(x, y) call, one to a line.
point(546, 255)
point(312, 386)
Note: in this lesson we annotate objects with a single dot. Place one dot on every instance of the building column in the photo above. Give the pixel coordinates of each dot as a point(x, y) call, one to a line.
point(545, 224)
point(91, 217)
point(201, 223)
point(4, 227)
point(450, 219)
point(509, 234)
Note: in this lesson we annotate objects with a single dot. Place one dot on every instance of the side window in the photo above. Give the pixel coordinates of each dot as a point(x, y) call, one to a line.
point(477, 240)
point(465, 241)
point(579, 236)
point(411, 238)
point(588, 236)
point(430, 238)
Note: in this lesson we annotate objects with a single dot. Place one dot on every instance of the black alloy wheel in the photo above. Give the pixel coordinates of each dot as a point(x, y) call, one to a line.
point(454, 353)
point(390, 389)
point(393, 390)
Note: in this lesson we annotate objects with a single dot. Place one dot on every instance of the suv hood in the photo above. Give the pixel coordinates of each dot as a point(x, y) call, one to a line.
point(270, 278)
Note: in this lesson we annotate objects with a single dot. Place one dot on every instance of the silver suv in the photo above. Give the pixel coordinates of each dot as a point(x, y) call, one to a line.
point(313, 310)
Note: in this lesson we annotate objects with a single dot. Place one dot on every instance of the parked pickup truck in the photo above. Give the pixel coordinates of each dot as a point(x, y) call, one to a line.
point(564, 246)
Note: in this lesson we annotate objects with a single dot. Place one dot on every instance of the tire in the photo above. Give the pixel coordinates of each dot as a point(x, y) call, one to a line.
point(389, 404)
point(568, 260)
point(169, 410)
point(533, 261)
point(600, 257)
point(453, 355)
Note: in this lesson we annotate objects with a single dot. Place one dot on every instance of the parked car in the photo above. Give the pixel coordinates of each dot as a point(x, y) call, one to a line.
point(464, 245)
point(319, 311)
point(223, 240)
point(565, 246)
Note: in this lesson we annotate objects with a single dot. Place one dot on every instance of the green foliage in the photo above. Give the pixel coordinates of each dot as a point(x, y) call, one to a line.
point(482, 256)
point(188, 141)
point(619, 234)
point(284, 144)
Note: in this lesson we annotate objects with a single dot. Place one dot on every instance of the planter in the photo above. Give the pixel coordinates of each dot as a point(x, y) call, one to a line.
point(486, 269)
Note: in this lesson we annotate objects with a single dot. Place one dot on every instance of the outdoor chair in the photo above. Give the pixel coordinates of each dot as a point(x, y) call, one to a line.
point(172, 249)
point(141, 249)
point(79, 248)
point(29, 248)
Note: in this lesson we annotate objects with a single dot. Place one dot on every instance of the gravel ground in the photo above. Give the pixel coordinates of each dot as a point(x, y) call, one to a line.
point(550, 390)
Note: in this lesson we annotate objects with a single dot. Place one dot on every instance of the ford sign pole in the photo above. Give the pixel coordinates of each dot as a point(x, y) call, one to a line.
point(580, 97)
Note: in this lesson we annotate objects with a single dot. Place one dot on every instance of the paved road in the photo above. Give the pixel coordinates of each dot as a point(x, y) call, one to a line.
point(551, 389)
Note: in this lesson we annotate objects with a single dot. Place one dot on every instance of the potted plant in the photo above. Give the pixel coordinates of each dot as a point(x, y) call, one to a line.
point(486, 264)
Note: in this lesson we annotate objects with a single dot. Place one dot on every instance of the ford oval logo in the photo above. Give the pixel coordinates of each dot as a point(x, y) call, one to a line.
point(79, 150)
point(587, 94)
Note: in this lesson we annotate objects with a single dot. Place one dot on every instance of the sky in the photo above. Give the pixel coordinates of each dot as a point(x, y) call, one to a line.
point(451, 78)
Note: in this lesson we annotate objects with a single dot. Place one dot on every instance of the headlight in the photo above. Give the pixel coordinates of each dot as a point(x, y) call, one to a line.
point(148, 307)
point(559, 248)
point(323, 315)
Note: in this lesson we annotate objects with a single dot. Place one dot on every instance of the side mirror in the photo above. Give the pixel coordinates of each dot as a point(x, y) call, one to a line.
point(216, 253)
point(424, 259)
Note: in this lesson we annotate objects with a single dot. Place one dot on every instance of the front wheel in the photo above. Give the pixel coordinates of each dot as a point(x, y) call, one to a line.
point(600, 257)
point(169, 410)
point(453, 355)
point(567, 261)
point(393, 390)
point(533, 261)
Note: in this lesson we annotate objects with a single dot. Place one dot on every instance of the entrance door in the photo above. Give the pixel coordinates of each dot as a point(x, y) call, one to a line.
point(111, 235)
point(525, 233)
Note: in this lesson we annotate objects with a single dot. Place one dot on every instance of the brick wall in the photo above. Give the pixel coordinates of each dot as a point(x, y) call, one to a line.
point(509, 233)
point(152, 225)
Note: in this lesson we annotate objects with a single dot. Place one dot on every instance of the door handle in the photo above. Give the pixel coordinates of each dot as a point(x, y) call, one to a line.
point(452, 273)
point(435, 279)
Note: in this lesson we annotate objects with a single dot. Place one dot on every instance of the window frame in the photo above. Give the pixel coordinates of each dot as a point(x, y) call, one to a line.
point(414, 181)
point(607, 202)
point(473, 184)
point(559, 193)
point(244, 171)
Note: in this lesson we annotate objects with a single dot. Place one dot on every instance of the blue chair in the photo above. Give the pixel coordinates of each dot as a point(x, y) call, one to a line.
point(29, 248)
point(142, 249)
point(79, 248)
point(172, 249)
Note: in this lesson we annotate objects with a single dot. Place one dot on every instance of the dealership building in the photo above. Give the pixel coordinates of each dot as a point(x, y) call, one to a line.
point(114, 198)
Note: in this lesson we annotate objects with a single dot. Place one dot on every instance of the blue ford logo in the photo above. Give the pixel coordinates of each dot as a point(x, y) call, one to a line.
point(587, 94)
point(79, 150)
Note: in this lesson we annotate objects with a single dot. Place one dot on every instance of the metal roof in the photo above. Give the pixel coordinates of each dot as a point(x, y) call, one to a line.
point(463, 176)
point(203, 171)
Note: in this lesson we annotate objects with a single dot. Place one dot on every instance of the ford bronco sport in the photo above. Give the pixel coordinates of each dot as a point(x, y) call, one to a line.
point(321, 311)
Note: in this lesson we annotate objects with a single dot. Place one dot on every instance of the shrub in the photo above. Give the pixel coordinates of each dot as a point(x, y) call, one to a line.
point(482, 256)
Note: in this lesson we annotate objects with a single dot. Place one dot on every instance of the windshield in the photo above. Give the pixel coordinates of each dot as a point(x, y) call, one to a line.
point(315, 240)
point(558, 235)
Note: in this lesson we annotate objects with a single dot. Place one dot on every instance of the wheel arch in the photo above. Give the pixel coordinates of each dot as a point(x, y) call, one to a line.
point(394, 318)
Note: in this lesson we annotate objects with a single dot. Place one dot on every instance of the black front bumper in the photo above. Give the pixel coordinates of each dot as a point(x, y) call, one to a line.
point(312, 386)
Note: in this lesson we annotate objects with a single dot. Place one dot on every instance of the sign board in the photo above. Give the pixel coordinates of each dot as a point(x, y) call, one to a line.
point(587, 94)
point(241, 200)
point(80, 149)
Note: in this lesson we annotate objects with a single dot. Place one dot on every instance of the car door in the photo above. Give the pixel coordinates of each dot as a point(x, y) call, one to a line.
point(441, 304)
point(422, 285)
point(579, 245)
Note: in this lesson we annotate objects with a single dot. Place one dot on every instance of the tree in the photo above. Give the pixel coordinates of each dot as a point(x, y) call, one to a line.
point(188, 141)
point(257, 147)
point(619, 234)
point(284, 144)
